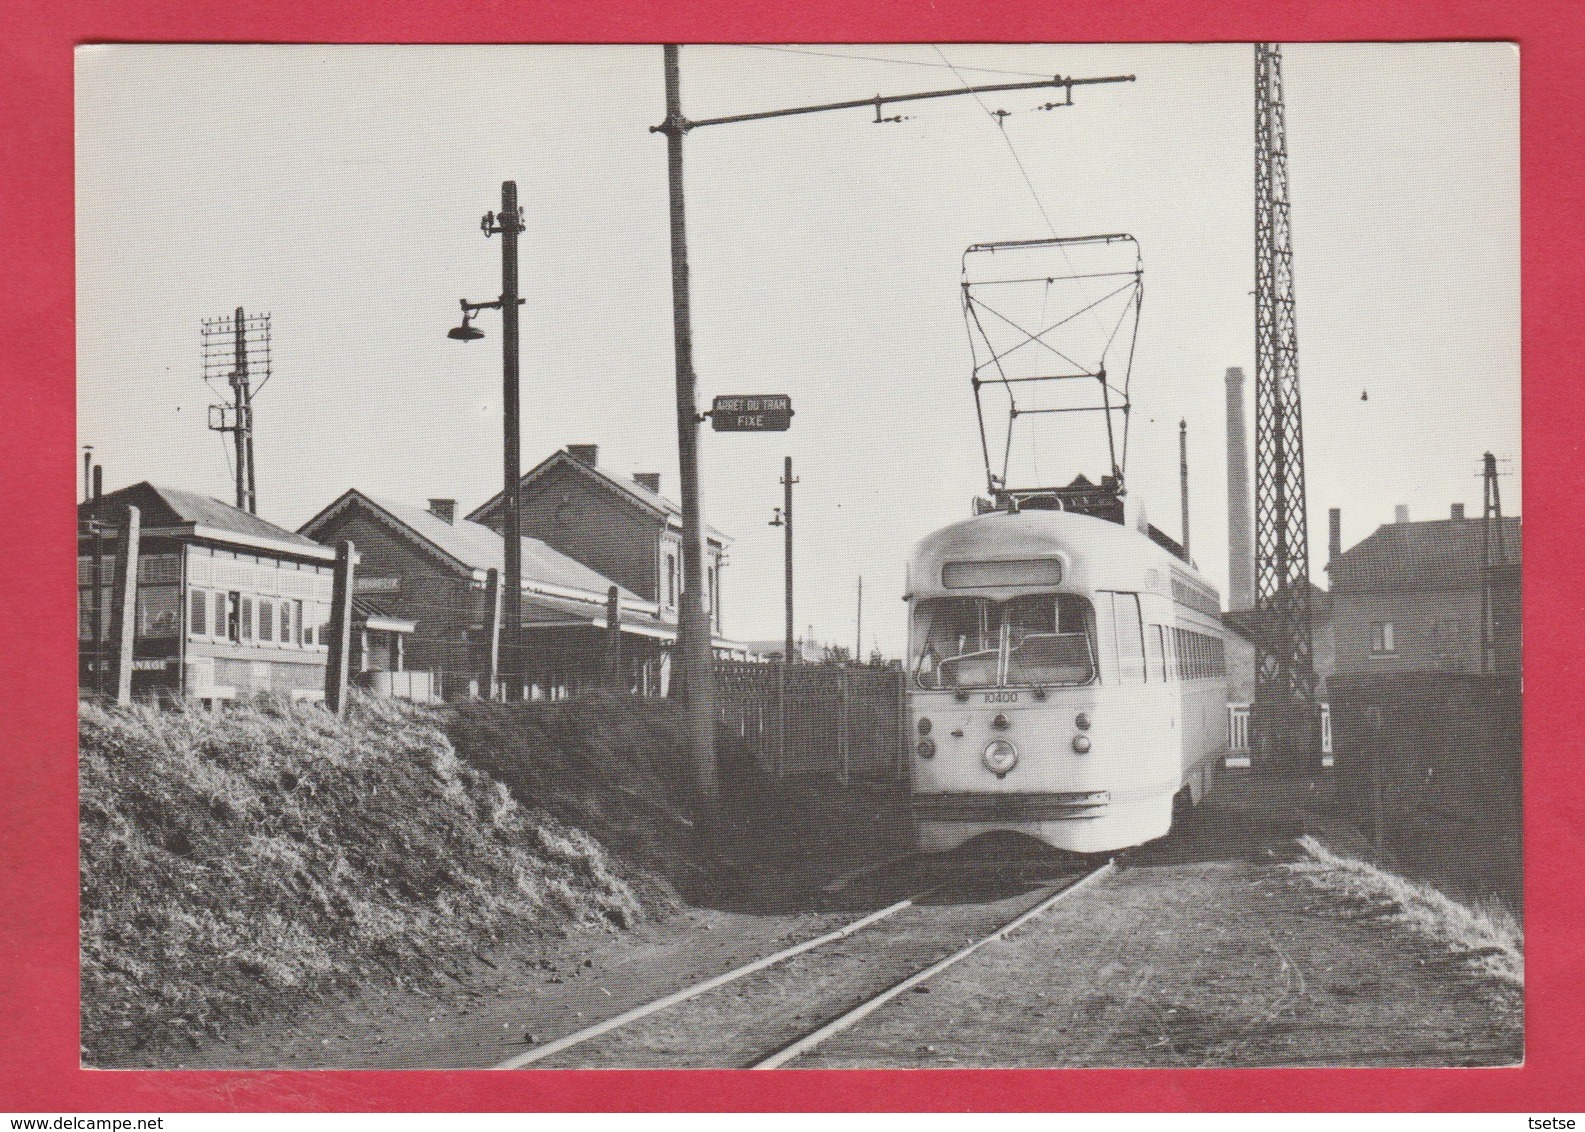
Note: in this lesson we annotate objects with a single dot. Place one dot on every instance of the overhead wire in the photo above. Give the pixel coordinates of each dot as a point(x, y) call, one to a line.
point(881, 59)
point(1002, 129)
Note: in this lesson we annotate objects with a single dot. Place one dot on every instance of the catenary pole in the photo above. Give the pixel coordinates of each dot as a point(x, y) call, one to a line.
point(693, 627)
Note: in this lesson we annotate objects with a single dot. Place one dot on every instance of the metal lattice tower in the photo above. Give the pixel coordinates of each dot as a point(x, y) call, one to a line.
point(1285, 721)
point(237, 348)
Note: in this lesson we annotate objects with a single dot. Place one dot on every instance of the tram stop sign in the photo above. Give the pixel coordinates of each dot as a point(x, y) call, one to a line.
point(764, 412)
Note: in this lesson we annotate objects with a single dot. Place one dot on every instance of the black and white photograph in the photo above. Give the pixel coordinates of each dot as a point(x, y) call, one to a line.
point(799, 556)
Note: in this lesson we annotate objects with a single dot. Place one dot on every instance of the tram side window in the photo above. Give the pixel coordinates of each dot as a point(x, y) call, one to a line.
point(1156, 646)
point(1128, 632)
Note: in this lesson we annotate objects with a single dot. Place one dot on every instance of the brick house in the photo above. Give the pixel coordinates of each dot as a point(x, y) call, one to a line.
point(618, 526)
point(434, 570)
point(1408, 599)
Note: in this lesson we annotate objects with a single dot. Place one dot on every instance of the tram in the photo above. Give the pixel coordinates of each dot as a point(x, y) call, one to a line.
point(1067, 680)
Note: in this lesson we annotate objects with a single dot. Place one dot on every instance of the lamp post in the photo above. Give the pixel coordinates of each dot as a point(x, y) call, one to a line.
point(508, 223)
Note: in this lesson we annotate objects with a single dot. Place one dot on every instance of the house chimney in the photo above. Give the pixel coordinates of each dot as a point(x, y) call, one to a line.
point(1334, 535)
point(585, 454)
point(1457, 513)
point(1400, 513)
point(444, 509)
point(1240, 534)
point(649, 481)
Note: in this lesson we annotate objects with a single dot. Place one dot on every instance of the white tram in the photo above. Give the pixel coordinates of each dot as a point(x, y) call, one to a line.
point(1066, 680)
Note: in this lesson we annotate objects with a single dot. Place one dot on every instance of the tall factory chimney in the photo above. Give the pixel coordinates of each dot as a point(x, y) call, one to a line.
point(1240, 530)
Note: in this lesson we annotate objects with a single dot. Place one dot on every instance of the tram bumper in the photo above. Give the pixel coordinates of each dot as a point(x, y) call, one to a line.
point(1008, 807)
point(1090, 821)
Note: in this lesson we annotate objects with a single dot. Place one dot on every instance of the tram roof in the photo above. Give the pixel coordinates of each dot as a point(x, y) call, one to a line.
point(1095, 554)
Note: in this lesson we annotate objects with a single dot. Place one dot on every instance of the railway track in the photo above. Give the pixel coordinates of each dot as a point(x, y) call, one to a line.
point(772, 1011)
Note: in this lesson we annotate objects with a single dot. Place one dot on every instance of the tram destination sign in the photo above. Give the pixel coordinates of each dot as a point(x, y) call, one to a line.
point(762, 412)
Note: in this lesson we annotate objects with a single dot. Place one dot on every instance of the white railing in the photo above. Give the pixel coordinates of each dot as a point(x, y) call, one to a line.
point(420, 687)
point(1238, 729)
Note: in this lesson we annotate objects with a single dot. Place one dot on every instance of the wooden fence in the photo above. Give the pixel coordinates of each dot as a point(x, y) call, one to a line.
point(815, 719)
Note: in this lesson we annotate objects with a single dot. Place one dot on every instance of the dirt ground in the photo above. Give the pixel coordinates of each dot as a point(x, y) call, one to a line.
point(1203, 949)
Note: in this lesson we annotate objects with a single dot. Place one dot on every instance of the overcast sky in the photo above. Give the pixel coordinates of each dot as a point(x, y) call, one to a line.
point(340, 189)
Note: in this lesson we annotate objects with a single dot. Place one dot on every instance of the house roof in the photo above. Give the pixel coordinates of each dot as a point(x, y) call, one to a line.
point(634, 492)
point(1439, 554)
point(474, 546)
point(375, 615)
point(171, 507)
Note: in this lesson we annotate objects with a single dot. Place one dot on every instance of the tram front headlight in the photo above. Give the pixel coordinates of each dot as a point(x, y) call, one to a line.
point(1000, 757)
point(1081, 744)
point(924, 725)
point(926, 748)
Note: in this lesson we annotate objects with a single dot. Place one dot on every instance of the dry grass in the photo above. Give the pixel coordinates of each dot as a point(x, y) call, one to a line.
point(236, 865)
point(1488, 936)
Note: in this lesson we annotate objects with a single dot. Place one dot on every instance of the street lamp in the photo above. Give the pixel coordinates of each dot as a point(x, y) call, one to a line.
point(507, 224)
point(465, 332)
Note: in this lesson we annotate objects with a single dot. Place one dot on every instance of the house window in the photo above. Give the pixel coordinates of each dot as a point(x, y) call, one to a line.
point(671, 581)
point(266, 620)
point(159, 610)
point(297, 620)
point(286, 623)
point(1381, 637)
point(198, 624)
point(245, 619)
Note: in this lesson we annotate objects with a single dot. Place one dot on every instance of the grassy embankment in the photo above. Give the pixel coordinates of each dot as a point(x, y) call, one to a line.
point(1486, 935)
point(238, 865)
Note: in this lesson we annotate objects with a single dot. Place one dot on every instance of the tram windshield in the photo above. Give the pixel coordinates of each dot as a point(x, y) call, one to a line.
point(1045, 640)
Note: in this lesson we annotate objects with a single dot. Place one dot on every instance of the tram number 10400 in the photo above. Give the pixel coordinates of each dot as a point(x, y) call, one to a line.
point(1001, 698)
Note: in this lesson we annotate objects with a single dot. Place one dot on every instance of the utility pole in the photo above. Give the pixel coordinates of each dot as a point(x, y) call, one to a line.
point(783, 518)
point(1492, 554)
point(1183, 479)
point(238, 349)
point(693, 627)
point(1285, 720)
point(508, 224)
point(858, 630)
